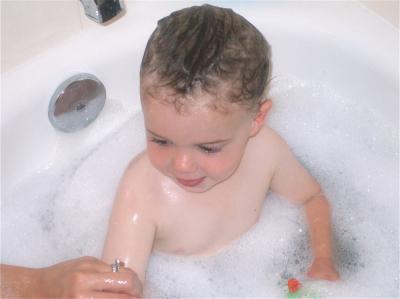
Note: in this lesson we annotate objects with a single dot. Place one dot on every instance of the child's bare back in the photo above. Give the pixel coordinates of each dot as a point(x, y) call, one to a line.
point(210, 158)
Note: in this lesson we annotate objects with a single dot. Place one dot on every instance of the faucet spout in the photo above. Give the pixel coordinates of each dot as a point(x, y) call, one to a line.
point(102, 11)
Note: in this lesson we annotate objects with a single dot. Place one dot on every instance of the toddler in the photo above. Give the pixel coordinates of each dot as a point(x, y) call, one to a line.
point(210, 158)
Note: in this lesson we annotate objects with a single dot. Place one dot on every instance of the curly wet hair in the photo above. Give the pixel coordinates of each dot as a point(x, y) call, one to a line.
point(204, 47)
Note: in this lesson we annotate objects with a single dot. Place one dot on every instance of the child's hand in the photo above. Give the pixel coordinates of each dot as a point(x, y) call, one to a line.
point(323, 268)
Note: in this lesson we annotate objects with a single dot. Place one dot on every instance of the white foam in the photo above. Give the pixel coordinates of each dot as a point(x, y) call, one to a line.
point(62, 212)
point(252, 266)
point(352, 151)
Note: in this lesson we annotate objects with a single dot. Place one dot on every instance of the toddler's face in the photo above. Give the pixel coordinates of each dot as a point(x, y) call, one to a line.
point(199, 148)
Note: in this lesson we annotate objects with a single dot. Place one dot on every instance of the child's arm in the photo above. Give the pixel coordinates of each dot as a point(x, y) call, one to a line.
point(292, 181)
point(318, 218)
point(131, 230)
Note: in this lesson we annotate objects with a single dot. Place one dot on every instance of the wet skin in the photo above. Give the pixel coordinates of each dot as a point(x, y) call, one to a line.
point(201, 183)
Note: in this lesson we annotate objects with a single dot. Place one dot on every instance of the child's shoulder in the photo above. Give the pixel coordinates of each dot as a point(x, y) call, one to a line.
point(140, 166)
point(270, 135)
point(138, 191)
point(138, 163)
point(264, 153)
point(270, 142)
point(138, 175)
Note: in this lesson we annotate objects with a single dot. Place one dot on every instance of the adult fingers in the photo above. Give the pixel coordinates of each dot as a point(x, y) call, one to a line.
point(91, 264)
point(94, 275)
point(107, 295)
point(123, 273)
point(125, 281)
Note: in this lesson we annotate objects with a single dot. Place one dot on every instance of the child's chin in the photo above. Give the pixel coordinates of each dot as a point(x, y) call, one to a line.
point(201, 188)
point(196, 189)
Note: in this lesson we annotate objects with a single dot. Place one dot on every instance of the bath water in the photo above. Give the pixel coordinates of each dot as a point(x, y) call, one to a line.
point(62, 212)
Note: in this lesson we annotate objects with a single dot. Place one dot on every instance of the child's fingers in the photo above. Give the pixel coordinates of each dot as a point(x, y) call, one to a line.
point(333, 276)
point(326, 275)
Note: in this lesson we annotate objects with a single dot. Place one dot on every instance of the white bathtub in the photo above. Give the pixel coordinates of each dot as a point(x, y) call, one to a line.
point(339, 45)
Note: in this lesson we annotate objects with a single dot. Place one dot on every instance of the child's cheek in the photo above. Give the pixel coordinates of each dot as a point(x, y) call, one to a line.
point(157, 156)
point(219, 167)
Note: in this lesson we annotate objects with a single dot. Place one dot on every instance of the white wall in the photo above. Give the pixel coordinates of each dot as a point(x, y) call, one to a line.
point(389, 9)
point(28, 27)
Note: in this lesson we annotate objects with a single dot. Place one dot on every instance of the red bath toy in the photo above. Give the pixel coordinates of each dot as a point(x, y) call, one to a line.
point(293, 285)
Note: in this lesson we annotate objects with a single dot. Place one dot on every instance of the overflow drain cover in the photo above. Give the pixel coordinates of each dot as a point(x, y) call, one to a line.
point(76, 102)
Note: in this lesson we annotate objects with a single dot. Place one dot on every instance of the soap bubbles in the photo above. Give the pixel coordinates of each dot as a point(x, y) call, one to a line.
point(351, 151)
point(61, 213)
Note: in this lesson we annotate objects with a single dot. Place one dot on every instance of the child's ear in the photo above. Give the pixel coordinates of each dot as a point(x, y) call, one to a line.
point(259, 119)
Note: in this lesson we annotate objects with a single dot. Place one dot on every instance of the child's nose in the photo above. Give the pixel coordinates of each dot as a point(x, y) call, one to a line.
point(183, 162)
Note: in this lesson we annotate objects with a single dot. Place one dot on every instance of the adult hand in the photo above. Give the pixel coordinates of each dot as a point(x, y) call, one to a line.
point(88, 277)
point(85, 277)
point(323, 268)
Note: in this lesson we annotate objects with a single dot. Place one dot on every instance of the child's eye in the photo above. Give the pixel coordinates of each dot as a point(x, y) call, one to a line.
point(159, 141)
point(210, 149)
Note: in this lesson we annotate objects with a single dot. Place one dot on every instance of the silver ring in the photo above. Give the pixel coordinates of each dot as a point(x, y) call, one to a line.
point(116, 265)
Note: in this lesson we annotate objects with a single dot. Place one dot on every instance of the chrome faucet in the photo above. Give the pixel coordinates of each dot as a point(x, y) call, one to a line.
point(102, 11)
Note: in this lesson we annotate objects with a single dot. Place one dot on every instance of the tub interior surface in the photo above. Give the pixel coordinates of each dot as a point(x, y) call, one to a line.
point(335, 101)
point(351, 49)
point(350, 150)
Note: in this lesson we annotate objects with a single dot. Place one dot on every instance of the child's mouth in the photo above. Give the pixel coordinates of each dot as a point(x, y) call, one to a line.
point(190, 183)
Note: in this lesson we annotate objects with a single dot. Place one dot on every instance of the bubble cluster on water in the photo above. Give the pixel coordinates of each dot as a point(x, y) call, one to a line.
point(352, 151)
point(62, 213)
point(348, 146)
